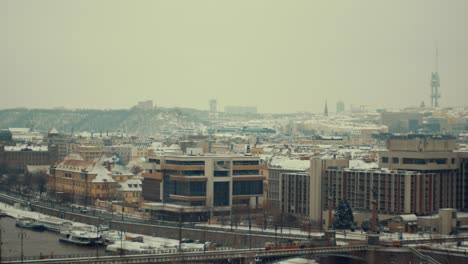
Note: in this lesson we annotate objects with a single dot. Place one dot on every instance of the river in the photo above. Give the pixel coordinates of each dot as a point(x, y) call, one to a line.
point(36, 243)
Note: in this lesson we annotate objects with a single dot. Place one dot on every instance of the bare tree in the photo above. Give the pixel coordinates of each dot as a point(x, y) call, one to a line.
point(40, 182)
point(136, 169)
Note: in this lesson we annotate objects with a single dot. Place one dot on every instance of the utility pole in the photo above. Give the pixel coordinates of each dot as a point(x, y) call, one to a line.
point(330, 208)
point(204, 238)
point(250, 229)
point(122, 211)
point(180, 231)
point(121, 242)
point(281, 224)
point(112, 215)
point(22, 245)
point(1, 243)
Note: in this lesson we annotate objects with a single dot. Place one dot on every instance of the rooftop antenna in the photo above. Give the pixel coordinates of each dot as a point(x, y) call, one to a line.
point(435, 82)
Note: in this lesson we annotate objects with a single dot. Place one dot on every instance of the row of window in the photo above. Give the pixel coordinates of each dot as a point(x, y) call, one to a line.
point(417, 161)
point(245, 162)
point(185, 162)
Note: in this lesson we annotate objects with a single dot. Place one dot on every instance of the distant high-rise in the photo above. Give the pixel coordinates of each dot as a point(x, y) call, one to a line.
point(145, 105)
point(435, 83)
point(325, 112)
point(340, 107)
point(213, 105)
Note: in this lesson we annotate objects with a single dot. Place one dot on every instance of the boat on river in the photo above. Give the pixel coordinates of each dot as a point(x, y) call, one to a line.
point(30, 224)
point(82, 238)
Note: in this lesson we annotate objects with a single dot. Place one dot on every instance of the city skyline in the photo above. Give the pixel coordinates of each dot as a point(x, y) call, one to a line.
point(273, 55)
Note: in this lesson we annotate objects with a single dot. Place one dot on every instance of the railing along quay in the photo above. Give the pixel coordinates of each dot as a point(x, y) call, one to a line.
point(195, 256)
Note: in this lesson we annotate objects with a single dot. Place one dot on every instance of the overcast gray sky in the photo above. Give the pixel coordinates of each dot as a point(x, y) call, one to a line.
point(282, 56)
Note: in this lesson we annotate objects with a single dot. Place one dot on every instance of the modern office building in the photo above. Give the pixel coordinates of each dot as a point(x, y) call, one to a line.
point(288, 185)
point(402, 122)
point(213, 106)
point(417, 175)
point(196, 187)
point(145, 105)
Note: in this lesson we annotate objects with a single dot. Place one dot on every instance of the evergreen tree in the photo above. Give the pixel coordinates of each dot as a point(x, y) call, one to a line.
point(343, 216)
point(366, 225)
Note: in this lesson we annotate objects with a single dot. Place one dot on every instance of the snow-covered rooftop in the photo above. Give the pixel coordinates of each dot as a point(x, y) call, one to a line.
point(289, 164)
point(362, 165)
point(102, 174)
point(26, 147)
point(130, 185)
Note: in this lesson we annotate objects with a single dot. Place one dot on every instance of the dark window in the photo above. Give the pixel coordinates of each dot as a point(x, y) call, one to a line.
point(190, 188)
point(395, 160)
point(245, 172)
point(384, 159)
point(221, 194)
point(247, 187)
point(245, 162)
point(220, 173)
point(193, 173)
point(185, 162)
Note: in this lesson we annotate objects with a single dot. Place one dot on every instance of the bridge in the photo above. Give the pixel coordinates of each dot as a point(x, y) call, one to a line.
point(433, 240)
point(227, 256)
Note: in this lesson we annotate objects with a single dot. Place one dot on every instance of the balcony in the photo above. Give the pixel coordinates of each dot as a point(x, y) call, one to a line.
point(245, 196)
point(187, 198)
point(188, 178)
point(154, 175)
point(248, 178)
point(246, 167)
point(182, 167)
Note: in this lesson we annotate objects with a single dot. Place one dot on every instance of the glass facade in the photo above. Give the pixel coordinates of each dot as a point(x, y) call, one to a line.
point(247, 187)
point(221, 194)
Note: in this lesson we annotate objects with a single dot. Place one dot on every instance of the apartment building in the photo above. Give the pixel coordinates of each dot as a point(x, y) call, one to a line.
point(417, 175)
point(14, 159)
point(90, 153)
point(288, 185)
point(197, 187)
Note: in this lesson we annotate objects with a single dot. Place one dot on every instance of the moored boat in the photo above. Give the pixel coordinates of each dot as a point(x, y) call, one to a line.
point(30, 224)
point(54, 225)
point(82, 238)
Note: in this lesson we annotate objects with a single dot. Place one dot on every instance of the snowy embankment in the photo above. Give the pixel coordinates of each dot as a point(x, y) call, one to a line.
point(149, 245)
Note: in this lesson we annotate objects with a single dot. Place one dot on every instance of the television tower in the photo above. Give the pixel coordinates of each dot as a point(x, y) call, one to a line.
point(435, 82)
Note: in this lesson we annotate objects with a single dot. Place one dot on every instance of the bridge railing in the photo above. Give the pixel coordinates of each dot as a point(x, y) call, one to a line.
point(188, 256)
point(422, 257)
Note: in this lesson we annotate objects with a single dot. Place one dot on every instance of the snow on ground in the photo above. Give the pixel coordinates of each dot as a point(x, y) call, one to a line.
point(20, 213)
point(286, 230)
